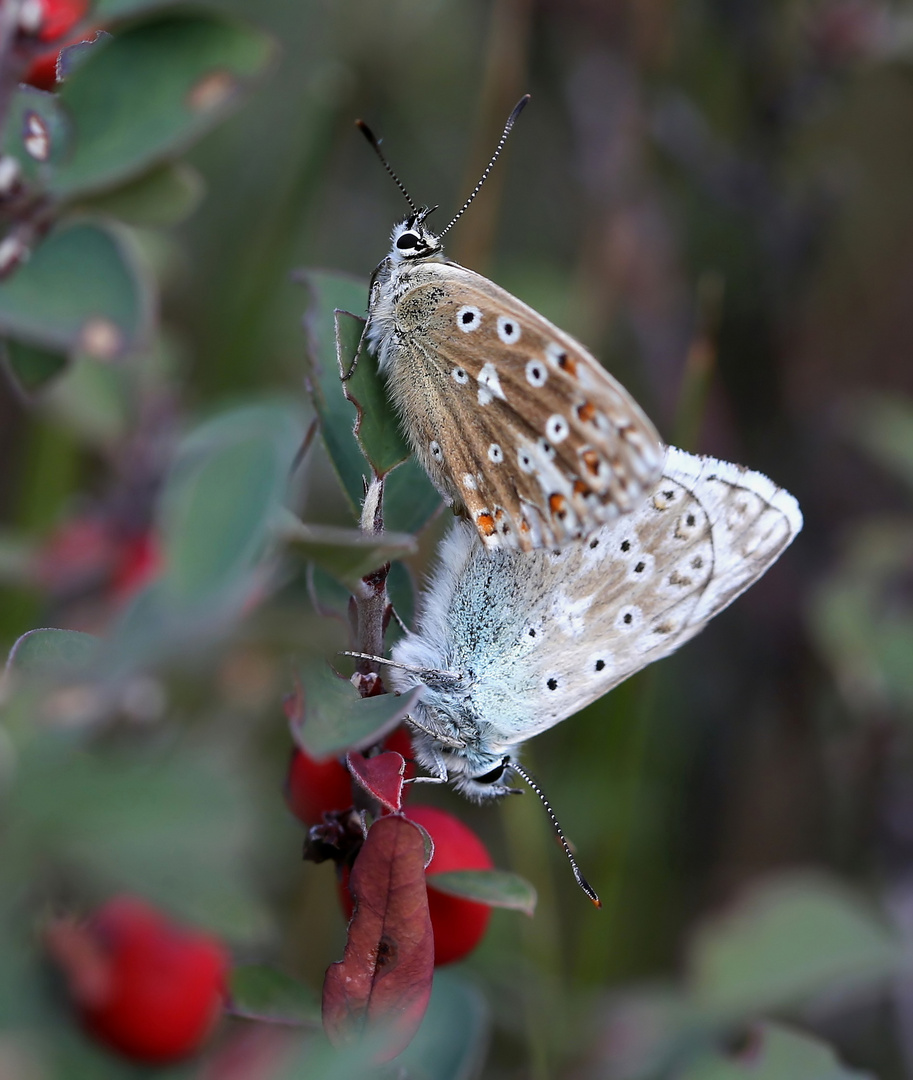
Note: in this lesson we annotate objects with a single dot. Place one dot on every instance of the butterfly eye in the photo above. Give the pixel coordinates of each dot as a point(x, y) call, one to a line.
point(407, 240)
point(492, 777)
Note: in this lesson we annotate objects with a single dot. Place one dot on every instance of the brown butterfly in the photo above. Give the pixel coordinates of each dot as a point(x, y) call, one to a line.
point(517, 425)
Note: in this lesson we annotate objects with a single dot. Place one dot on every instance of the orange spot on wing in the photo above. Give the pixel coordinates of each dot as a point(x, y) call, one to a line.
point(568, 364)
point(558, 505)
point(580, 488)
point(591, 460)
point(486, 524)
point(586, 411)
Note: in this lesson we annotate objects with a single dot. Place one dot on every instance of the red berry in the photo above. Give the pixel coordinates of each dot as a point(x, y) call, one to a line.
point(58, 17)
point(316, 787)
point(313, 788)
point(143, 985)
point(458, 925)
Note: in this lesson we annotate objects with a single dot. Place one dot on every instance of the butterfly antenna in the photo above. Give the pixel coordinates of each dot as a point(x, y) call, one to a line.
point(578, 876)
point(397, 664)
point(375, 142)
point(511, 120)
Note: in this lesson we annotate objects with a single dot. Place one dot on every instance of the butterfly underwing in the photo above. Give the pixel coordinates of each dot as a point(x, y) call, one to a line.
point(508, 643)
point(519, 427)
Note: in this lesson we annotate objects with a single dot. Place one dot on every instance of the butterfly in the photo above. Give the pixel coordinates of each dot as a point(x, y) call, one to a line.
point(519, 427)
point(508, 643)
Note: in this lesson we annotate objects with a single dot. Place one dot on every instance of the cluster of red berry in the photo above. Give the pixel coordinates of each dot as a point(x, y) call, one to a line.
point(315, 788)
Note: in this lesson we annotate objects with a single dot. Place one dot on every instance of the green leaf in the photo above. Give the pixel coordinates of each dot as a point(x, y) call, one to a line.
point(219, 502)
point(774, 1052)
point(347, 554)
point(176, 75)
point(377, 427)
point(497, 888)
point(163, 196)
point(328, 292)
point(50, 652)
point(259, 992)
point(81, 290)
point(31, 366)
point(410, 499)
point(784, 942)
point(335, 717)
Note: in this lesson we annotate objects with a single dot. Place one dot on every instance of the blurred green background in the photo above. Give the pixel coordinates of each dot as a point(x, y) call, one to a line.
point(715, 197)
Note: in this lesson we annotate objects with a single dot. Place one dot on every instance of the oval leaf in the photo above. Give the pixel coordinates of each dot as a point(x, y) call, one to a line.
point(334, 717)
point(347, 554)
point(52, 652)
point(175, 76)
point(384, 979)
point(377, 427)
point(381, 776)
point(785, 941)
point(221, 498)
point(410, 499)
point(497, 888)
point(81, 290)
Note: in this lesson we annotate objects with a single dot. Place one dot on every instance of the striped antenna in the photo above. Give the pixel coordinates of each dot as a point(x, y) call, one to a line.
point(511, 120)
point(578, 876)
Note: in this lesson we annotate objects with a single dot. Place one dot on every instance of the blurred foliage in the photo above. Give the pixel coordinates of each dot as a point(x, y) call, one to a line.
point(715, 197)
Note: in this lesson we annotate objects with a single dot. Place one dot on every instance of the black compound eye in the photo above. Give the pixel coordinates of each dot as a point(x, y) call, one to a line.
point(407, 240)
point(491, 777)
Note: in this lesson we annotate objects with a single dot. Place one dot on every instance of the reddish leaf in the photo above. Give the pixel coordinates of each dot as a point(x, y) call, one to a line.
point(381, 776)
point(383, 982)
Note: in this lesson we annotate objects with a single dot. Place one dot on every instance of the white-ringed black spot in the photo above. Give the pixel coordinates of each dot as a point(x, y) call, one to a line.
point(626, 545)
point(547, 449)
point(640, 567)
point(557, 428)
point(525, 461)
point(532, 631)
point(594, 543)
point(468, 318)
point(459, 375)
point(536, 373)
point(690, 520)
point(552, 683)
point(495, 454)
point(599, 665)
point(627, 618)
point(508, 330)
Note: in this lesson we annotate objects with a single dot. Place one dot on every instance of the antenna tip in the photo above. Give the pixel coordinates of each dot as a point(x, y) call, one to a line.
point(367, 132)
point(519, 107)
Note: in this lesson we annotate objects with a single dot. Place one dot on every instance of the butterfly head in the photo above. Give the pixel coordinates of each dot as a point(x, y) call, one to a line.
point(412, 240)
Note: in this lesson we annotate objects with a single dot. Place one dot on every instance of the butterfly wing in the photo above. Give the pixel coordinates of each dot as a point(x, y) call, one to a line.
point(538, 636)
point(514, 420)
